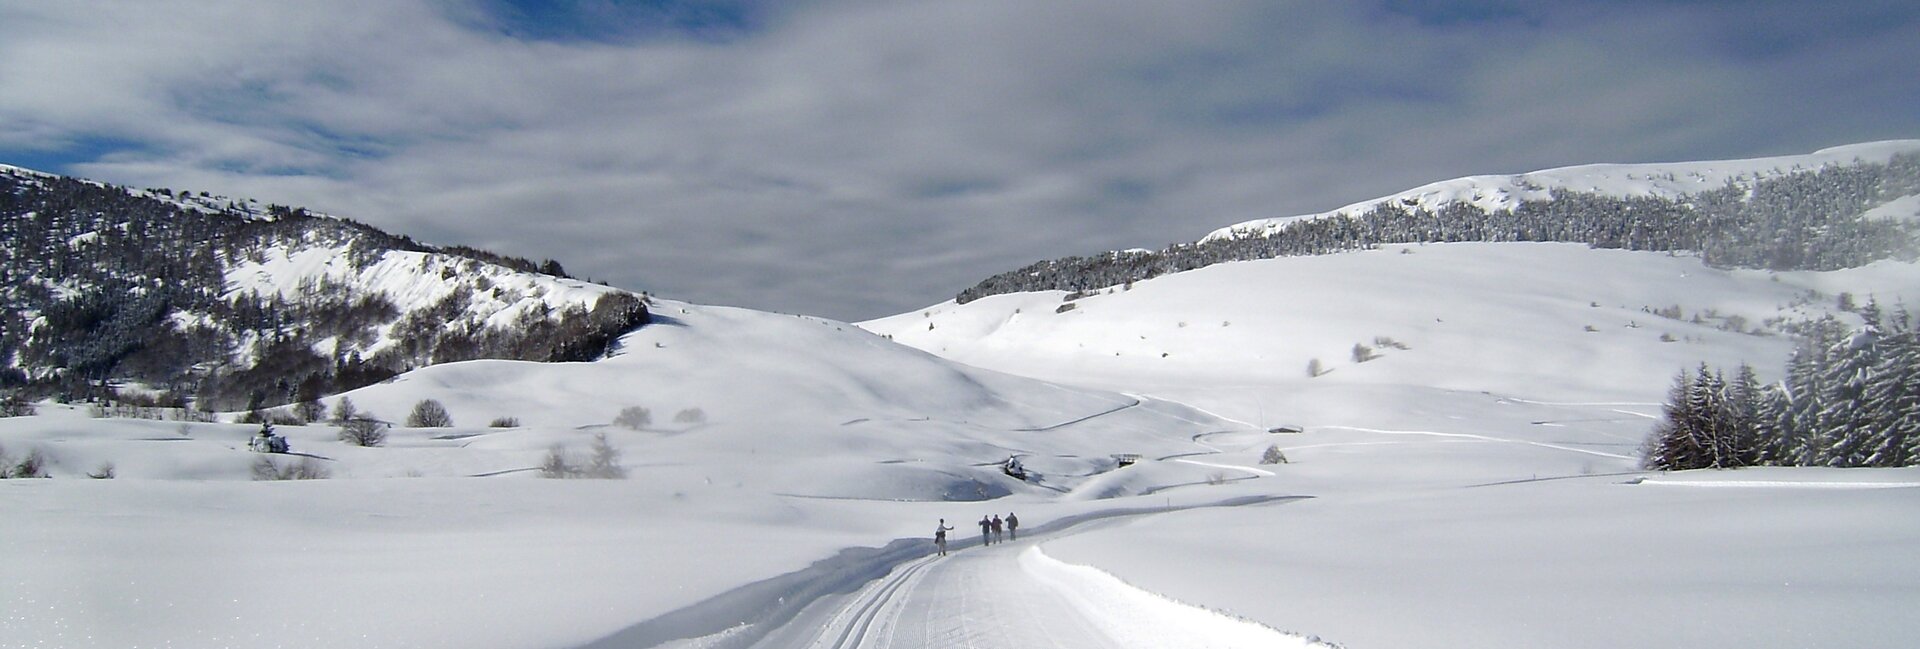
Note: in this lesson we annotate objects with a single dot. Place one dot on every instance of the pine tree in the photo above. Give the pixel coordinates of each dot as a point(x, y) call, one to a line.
point(1891, 408)
point(1740, 420)
point(1844, 378)
point(1674, 444)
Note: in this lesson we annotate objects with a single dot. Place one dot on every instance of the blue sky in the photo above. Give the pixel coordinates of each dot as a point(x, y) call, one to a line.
point(857, 158)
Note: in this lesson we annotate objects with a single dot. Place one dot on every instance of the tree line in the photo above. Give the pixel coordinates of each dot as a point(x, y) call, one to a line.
point(1850, 398)
point(1809, 220)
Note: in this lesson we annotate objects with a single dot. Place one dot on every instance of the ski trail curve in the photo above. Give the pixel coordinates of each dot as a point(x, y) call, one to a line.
point(1014, 595)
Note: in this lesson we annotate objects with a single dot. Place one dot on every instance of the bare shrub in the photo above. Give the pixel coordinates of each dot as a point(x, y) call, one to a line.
point(364, 430)
point(14, 405)
point(504, 422)
point(305, 469)
point(690, 416)
point(1315, 368)
point(105, 472)
point(343, 410)
point(34, 465)
point(634, 417)
point(309, 411)
point(557, 464)
point(429, 414)
point(1362, 353)
point(603, 464)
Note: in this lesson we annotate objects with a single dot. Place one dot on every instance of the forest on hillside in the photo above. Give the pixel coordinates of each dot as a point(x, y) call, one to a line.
point(1810, 220)
point(104, 285)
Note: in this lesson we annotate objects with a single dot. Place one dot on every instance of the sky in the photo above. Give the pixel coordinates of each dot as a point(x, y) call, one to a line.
point(860, 158)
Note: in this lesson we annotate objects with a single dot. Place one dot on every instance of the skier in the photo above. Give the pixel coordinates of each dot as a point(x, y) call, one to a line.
point(986, 531)
point(940, 536)
point(998, 535)
point(1013, 526)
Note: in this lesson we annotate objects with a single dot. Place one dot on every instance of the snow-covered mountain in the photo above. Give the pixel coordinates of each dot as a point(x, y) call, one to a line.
point(192, 296)
point(1668, 180)
point(1840, 208)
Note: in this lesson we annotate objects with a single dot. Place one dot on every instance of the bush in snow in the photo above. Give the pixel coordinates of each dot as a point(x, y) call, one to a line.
point(1362, 353)
point(305, 469)
point(1314, 368)
point(1273, 456)
point(557, 465)
point(690, 416)
point(429, 414)
point(504, 422)
point(34, 465)
point(343, 410)
point(604, 463)
point(634, 417)
point(105, 472)
point(364, 430)
point(309, 411)
point(14, 405)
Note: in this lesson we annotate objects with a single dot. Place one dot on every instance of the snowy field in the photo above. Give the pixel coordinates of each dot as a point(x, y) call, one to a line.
point(1474, 489)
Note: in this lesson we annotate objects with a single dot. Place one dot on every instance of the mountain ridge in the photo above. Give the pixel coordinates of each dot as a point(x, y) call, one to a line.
point(1819, 216)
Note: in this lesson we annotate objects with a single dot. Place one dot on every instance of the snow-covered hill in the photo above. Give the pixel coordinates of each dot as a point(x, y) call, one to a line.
point(1461, 472)
point(1672, 180)
point(175, 297)
point(1555, 321)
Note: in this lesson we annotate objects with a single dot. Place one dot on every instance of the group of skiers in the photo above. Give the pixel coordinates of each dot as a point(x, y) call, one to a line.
point(993, 529)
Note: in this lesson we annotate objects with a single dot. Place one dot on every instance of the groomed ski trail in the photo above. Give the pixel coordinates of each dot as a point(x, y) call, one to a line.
point(1015, 595)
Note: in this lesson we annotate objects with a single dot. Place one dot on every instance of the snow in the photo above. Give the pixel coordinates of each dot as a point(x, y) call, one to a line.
point(501, 296)
point(1905, 208)
point(1477, 488)
point(1664, 180)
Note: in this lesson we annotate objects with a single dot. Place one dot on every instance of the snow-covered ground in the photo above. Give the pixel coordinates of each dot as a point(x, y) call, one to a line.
point(1476, 488)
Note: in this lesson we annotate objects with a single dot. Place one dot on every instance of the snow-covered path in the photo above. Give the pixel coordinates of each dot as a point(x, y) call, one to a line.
point(1014, 595)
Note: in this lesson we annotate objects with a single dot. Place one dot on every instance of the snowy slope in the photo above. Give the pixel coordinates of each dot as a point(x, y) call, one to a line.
point(1664, 180)
point(1477, 487)
point(1511, 318)
point(495, 297)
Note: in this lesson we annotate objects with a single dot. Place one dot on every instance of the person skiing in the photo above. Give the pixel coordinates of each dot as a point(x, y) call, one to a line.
point(1013, 526)
point(998, 534)
point(986, 531)
point(940, 536)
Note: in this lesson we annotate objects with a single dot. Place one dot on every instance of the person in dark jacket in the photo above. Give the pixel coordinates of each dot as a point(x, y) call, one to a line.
point(998, 529)
point(986, 531)
point(1013, 526)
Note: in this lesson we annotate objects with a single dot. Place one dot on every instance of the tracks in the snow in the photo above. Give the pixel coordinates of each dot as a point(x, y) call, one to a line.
point(851, 627)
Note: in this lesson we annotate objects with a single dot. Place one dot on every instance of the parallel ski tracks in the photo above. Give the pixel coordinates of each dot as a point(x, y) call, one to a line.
point(877, 605)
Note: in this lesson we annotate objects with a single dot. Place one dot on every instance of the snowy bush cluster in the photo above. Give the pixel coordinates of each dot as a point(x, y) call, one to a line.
point(103, 284)
point(1812, 220)
point(1850, 399)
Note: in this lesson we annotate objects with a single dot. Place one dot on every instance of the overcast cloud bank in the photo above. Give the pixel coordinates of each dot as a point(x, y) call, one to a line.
point(856, 159)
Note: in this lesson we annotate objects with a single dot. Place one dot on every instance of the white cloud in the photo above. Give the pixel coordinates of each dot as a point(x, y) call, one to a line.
point(857, 158)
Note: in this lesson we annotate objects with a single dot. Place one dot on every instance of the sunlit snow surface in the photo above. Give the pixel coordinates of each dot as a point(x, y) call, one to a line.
point(1475, 489)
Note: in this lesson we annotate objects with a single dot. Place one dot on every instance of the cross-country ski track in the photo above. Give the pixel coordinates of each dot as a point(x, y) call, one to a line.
point(1010, 594)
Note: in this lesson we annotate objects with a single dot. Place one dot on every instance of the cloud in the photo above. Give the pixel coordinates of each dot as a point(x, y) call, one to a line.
point(858, 158)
